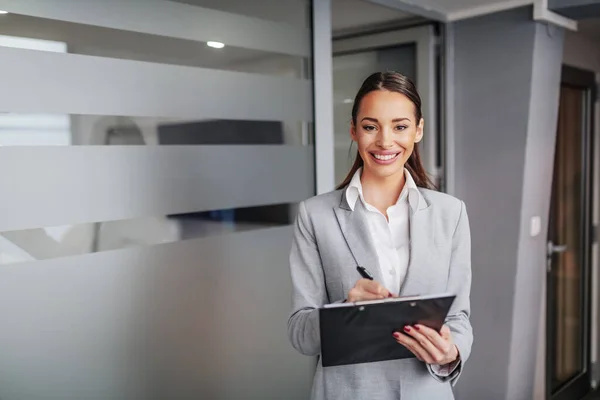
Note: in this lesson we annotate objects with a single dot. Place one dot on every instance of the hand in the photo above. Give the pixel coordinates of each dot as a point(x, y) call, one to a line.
point(428, 345)
point(366, 289)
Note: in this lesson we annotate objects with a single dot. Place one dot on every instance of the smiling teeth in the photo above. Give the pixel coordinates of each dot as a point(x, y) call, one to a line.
point(384, 158)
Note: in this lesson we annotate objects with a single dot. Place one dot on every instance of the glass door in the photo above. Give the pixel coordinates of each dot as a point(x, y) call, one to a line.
point(410, 51)
point(569, 245)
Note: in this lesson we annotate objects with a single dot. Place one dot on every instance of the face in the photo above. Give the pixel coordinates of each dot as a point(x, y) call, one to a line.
point(386, 131)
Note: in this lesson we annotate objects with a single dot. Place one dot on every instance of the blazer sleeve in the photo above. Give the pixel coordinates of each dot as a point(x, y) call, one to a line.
point(459, 283)
point(308, 287)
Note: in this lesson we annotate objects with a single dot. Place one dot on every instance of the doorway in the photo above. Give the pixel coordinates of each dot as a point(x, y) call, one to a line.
point(570, 242)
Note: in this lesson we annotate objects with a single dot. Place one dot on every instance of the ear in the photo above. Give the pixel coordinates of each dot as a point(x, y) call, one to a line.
point(419, 135)
point(353, 132)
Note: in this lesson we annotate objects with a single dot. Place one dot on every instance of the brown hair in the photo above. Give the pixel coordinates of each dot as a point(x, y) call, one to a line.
point(393, 82)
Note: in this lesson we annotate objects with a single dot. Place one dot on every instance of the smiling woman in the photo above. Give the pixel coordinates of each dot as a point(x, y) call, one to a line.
point(384, 217)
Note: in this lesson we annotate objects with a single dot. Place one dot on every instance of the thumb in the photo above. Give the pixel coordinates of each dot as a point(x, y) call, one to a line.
point(376, 288)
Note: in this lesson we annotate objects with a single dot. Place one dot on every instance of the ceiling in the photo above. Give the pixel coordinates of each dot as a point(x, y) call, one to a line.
point(455, 6)
point(346, 14)
point(291, 12)
point(352, 14)
point(452, 9)
point(590, 28)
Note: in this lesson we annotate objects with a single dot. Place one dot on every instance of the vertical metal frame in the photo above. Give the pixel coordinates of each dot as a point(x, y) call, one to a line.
point(424, 39)
point(323, 96)
point(447, 122)
point(595, 256)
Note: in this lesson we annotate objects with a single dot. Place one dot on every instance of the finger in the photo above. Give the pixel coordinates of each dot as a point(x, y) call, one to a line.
point(407, 342)
point(414, 347)
point(358, 294)
point(369, 296)
point(437, 355)
point(416, 353)
point(442, 343)
point(374, 287)
point(369, 286)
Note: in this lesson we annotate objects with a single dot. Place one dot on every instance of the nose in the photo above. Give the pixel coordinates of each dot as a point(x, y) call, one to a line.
point(385, 138)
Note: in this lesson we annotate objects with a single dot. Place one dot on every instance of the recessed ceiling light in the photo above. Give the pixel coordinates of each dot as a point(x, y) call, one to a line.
point(215, 45)
point(3, 12)
point(348, 101)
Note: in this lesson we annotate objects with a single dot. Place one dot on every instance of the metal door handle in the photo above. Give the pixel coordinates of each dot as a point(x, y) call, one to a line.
point(556, 249)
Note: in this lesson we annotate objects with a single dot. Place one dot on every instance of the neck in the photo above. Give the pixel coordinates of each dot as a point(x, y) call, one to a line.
point(382, 192)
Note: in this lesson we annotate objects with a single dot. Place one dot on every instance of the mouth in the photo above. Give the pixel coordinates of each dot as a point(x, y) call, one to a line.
point(384, 158)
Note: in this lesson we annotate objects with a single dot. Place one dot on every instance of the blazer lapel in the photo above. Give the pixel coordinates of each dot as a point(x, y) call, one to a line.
point(354, 227)
point(421, 246)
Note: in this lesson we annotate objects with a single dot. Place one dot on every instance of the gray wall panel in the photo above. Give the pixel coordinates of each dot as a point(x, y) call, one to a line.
point(167, 18)
point(197, 319)
point(504, 132)
point(491, 119)
point(70, 185)
point(78, 84)
point(537, 184)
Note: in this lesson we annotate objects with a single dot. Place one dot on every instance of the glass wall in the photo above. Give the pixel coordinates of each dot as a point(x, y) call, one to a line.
point(152, 155)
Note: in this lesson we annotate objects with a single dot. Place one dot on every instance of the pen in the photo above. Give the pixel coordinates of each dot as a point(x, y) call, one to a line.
point(364, 273)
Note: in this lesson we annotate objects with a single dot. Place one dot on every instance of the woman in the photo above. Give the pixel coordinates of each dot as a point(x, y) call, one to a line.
point(414, 240)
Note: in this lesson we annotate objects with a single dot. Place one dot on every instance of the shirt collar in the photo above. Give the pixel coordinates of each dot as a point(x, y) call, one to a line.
point(410, 191)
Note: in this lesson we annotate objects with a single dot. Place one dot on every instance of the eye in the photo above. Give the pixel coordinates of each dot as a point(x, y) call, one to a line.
point(369, 128)
point(401, 127)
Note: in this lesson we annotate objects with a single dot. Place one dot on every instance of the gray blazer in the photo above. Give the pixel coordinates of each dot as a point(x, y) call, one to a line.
point(330, 240)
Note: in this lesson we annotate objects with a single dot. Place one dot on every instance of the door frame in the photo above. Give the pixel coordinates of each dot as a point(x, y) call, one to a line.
point(579, 386)
point(424, 39)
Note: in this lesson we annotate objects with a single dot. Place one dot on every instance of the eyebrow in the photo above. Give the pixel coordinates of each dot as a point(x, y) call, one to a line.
point(377, 121)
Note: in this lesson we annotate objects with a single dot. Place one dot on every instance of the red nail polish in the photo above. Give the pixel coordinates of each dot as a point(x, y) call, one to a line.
point(407, 328)
point(417, 327)
point(396, 335)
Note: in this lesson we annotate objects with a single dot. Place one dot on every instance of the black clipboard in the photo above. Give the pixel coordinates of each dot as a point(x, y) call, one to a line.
point(361, 332)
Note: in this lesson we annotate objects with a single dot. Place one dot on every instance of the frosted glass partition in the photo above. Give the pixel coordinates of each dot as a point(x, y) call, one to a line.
point(150, 177)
